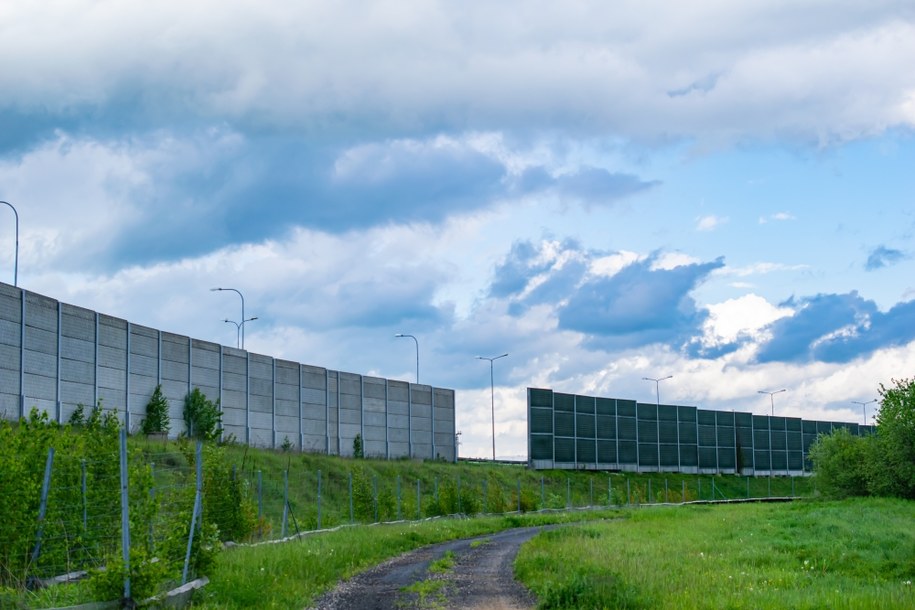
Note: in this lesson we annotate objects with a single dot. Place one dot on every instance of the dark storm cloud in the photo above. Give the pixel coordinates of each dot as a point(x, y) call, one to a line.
point(639, 305)
point(837, 328)
point(881, 257)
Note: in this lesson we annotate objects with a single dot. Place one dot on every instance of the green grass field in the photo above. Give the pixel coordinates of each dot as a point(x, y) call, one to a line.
point(807, 554)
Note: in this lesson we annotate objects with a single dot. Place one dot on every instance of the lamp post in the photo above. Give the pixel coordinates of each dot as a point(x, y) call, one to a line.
point(16, 259)
point(771, 399)
point(492, 399)
point(238, 328)
point(416, 341)
point(242, 297)
point(864, 407)
point(657, 388)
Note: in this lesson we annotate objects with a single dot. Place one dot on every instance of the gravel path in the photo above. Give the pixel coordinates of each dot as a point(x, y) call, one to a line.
point(480, 579)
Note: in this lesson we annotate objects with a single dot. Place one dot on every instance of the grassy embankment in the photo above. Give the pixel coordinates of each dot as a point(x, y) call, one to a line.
point(809, 554)
point(293, 573)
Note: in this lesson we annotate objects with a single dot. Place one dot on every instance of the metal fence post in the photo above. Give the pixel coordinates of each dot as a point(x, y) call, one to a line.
point(542, 497)
point(683, 491)
point(485, 495)
point(319, 499)
point(609, 491)
point(519, 495)
point(351, 514)
point(460, 508)
point(82, 468)
point(194, 516)
point(398, 498)
point(43, 505)
point(419, 512)
point(590, 491)
point(375, 496)
point(125, 513)
point(260, 495)
point(666, 493)
point(649, 492)
point(628, 493)
point(748, 487)
point(152, 499)
point(568, 492)
point(285, 502)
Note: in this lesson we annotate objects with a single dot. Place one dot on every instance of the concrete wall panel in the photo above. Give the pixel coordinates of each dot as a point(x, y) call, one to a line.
point(121, 363)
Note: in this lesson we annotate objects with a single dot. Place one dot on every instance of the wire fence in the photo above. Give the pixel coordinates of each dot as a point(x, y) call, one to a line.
point(158, 516)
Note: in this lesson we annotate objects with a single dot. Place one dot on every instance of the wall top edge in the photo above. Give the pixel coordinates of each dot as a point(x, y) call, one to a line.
point(745, 413)
point(18, 293)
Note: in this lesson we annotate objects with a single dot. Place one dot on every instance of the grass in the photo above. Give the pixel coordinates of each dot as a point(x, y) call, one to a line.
point(294, 574)
point(810, 554)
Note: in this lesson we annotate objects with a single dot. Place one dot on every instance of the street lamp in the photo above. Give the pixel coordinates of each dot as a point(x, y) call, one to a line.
point(771, 394)
point(864, 406)
point(416, 341)
point(238, 328)
point(16, 259)
point(242, 297)
point(492, 399)
point(657, 387)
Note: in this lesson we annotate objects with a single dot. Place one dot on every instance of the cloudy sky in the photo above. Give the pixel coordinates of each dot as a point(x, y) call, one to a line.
point(722, 192)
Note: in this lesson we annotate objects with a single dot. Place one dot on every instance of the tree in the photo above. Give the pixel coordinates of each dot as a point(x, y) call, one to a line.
point(893, 466)
point(156, 420)
point(202, 416)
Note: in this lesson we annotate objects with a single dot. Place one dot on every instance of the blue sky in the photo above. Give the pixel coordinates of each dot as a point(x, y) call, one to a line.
point(717, 191)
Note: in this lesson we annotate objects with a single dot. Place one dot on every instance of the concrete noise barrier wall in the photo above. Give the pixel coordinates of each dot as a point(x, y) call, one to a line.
point(568, 431)
point(55, 356)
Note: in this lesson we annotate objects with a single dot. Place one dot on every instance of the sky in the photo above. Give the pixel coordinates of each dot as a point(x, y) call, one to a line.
point(720, 192)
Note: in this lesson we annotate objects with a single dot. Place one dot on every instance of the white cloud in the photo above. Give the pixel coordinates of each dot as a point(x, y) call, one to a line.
point(710, 223)
point(776, 217)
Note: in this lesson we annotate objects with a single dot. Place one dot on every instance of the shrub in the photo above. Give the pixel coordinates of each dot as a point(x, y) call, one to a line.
point(156, 420)
point(840, 462)
point(202, 416)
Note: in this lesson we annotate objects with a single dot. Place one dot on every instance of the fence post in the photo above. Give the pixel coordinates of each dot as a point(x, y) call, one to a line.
point(485, 495)
point(792, 487)
point(419, 512)
point(628, 493)
point(319, 499)
point(125, 514)
point(375, 496)
point(460, 508)
point(649, 491)
point(285, 502)
point(748, 487)
point(351, 515)
point(260, 494)
point(152, 499)
point(568, 493)
point(43, 505)
point(519, 495)
point(683, 491)
point(82, 469)
point(542, 497)
point(398, 498)
point(194, 516)
point(590, 491)
point(666, 493)
point(609, 491)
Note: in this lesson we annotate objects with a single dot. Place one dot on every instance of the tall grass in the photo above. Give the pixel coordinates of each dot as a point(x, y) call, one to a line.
point(850, 554)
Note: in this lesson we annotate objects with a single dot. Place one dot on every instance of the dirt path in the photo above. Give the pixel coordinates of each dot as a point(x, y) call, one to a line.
point(481, 578)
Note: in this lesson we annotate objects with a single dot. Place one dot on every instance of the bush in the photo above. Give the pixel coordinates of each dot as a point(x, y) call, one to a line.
point(882, 464)
point(840, 462)
point(157, 420)
point(202, 416)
